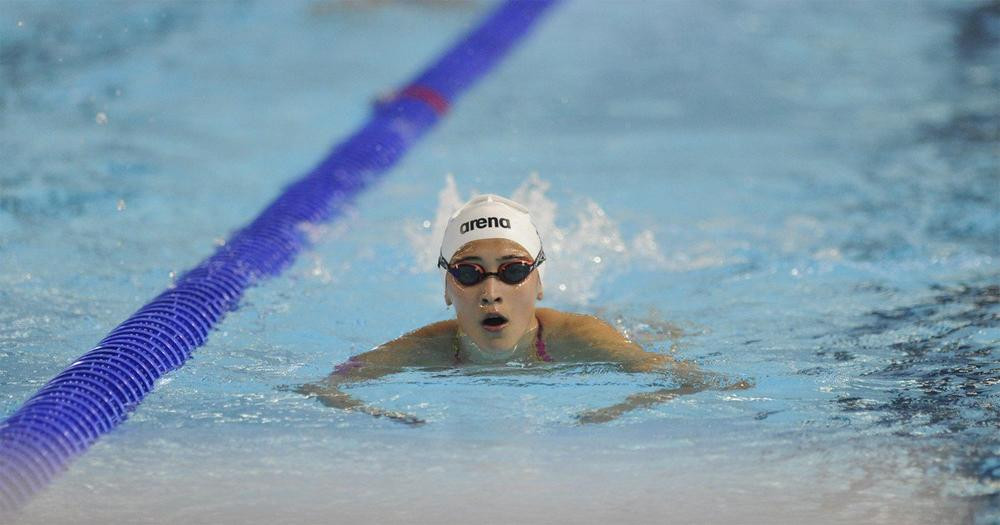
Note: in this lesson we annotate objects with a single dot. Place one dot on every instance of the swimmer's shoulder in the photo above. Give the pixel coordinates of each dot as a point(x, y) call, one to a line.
point(555, 323)
point(578, 333)
point(573, 325)
point(434, 331)
point(582, 337)
point(430, 345)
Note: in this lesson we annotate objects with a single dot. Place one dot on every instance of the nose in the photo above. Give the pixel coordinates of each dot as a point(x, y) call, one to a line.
point(490, 293)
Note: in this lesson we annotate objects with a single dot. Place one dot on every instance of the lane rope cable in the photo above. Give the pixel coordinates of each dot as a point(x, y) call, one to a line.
point(96, 393)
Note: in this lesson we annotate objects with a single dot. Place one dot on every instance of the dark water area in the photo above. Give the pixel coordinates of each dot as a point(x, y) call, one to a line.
point(945, 347)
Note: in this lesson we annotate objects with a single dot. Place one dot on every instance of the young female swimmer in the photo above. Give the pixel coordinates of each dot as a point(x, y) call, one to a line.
point(491, 255)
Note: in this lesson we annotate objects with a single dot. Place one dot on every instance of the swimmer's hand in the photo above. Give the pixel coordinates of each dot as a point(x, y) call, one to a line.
point(332, 397)
point(632, 402)
point(401, 417)
point(648, 399)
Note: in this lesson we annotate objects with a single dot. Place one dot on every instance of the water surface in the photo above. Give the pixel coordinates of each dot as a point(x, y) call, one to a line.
point(802, 193)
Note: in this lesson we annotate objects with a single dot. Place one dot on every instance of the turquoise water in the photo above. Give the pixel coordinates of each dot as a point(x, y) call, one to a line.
point(802, 193)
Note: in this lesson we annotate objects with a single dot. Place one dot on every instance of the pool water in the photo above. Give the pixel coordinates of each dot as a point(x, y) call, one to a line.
point(805, 194)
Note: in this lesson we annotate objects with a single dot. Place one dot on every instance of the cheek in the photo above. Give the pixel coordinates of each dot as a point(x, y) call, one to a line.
point(524, 298)
point(464, 299)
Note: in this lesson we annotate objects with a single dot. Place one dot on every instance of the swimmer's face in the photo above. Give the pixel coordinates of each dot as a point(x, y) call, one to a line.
point(478, 306)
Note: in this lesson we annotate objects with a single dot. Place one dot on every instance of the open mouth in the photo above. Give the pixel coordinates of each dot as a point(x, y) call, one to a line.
point(494, 322)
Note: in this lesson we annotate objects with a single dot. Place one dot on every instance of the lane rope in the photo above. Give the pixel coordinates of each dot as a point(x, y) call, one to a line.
point(96, 393)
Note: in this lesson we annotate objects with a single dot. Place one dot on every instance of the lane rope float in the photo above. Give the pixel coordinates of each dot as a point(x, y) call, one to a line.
point(96, 393)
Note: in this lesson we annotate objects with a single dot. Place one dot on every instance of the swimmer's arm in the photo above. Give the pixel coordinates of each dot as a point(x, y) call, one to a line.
point(413, 349)
point(329, 393)
point(692, 380)
point(604, 343)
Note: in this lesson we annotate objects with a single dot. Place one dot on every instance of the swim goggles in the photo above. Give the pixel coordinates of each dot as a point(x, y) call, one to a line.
point(513, 272)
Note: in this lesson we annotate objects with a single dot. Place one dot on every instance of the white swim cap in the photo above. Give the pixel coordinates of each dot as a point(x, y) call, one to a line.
point(490, 217)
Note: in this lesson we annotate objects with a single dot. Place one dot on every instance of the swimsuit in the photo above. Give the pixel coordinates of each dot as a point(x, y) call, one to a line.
point(539, 346)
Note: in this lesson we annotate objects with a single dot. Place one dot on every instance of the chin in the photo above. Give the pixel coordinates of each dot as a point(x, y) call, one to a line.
point(493, 342)
point(496, 342)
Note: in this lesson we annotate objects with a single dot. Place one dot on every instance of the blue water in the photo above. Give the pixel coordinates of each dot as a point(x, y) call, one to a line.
point(801, 193)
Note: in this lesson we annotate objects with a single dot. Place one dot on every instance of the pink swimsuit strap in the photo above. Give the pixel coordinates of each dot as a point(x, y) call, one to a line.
point(539, 346)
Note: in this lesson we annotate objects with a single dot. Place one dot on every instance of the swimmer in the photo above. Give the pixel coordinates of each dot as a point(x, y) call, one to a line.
point(492, 258)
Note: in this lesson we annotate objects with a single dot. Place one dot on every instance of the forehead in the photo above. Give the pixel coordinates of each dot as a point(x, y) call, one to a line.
point(487, 249)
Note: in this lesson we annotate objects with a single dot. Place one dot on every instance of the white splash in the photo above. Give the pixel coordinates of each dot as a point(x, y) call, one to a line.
point(425, 235)
point(579, 256)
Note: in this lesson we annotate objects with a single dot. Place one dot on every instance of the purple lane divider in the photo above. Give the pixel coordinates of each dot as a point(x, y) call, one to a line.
point(96, 393)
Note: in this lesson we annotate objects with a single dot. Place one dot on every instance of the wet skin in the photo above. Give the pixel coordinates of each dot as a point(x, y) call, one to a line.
point(497, 322)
